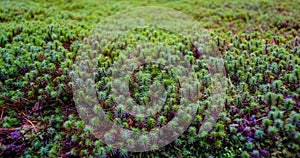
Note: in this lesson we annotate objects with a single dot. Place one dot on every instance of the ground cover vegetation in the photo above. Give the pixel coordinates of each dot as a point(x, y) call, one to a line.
point(258, 40)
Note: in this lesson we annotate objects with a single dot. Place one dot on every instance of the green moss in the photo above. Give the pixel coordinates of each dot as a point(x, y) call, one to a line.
point(39, 42)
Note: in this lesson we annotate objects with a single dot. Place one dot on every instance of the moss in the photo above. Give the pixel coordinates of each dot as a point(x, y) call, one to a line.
point(245, 154)
point(40, 41)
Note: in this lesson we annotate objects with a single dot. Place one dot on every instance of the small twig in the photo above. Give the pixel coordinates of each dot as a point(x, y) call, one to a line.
point(2, 113)
point(9, 129)
point(30, 122)
point(16, 140)
point(261, 118)
point(177, 149)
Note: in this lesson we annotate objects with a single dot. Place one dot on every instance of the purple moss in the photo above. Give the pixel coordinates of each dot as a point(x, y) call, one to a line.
point(264, 152)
